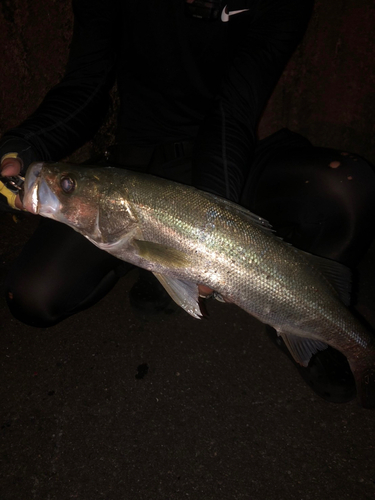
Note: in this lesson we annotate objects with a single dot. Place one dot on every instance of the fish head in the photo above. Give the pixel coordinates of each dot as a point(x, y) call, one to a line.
point(85, 198)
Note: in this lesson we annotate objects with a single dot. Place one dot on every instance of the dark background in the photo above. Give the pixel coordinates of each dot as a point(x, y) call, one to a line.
point(110, 405)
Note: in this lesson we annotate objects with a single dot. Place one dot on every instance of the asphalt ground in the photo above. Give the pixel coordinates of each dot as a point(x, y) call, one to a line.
point(110, 405)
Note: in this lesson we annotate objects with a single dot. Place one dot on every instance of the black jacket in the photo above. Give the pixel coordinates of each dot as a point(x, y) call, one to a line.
point(179, 78)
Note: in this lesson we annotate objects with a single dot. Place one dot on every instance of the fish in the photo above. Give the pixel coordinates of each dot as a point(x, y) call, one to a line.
point(189, 238)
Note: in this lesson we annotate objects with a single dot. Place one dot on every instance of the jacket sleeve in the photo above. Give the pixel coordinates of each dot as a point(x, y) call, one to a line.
point(261, 41)
point(74, 109)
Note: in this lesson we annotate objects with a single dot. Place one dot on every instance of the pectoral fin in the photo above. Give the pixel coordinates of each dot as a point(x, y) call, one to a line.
point(184, 293)
point(161, 254)
point(302, 349)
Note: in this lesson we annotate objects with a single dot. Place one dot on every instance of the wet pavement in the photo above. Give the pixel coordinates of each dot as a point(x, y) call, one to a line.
point(110, 405)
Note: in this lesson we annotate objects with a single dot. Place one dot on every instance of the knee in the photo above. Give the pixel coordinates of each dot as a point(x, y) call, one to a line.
point(29, 306)
point(322, 172)
point(352, 178)
point(45, 301)
point(323, 198)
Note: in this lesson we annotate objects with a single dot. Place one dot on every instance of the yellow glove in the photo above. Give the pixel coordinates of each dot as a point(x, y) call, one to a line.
point(4, 190)
point(9, 195)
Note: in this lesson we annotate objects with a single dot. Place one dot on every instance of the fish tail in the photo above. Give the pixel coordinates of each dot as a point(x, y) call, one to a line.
point(365, 383)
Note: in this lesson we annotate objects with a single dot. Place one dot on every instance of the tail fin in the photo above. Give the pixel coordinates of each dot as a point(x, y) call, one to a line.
point(365, 382)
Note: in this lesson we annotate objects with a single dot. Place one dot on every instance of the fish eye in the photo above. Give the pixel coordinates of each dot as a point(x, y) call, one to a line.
point(67, 184)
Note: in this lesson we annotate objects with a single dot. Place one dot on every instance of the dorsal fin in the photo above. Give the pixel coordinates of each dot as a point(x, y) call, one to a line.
point(237, 209)
point(336, 273)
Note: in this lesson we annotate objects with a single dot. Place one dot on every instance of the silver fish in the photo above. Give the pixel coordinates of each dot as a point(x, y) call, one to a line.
point(187, 238)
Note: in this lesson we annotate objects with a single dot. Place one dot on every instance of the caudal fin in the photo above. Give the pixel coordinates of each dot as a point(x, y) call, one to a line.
point(365, 382)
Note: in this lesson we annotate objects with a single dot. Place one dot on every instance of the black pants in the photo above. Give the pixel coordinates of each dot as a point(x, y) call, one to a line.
point(318, 199)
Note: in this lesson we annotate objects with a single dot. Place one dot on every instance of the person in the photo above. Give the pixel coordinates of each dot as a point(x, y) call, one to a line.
point(193, 78)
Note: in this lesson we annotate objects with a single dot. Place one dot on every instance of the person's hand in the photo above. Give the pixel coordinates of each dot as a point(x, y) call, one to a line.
point(11, 167)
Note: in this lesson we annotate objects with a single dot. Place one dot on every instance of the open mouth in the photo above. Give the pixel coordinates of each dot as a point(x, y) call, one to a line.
point(38, 197)
point(31, 188)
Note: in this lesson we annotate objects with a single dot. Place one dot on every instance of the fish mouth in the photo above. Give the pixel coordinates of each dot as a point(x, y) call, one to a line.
point(31, 188)
point(38, 197)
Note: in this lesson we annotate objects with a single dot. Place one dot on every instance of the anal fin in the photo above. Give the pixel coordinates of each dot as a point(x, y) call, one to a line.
point(301, 348)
